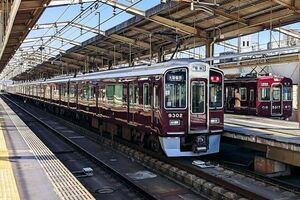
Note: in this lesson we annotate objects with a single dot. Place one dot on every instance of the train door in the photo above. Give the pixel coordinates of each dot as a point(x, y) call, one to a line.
point(230, 98)
point(96, 91)
point(287, 103)
point(68, 94)
point(51, 93)
point(276, 99)
point(252, 98)
point(132, 100)
point(77, 94)
point(156, 104)
point(198, 103)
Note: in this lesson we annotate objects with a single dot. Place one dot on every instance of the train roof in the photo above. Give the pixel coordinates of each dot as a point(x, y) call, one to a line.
point(142, 70)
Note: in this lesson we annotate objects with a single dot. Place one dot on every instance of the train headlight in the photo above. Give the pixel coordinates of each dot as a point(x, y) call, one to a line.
point(287, 107)
point(215, 121)
point(265, 107)
point(174, 122)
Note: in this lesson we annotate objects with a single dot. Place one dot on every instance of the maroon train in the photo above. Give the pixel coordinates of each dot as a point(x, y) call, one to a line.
point(267, 96)
point(176, 106)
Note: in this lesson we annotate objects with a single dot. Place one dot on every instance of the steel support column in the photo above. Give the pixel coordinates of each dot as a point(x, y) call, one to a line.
point(209, 51)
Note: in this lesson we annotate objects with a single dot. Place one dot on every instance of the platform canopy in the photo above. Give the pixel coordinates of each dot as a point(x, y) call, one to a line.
point(163, 29)
point(17, 17)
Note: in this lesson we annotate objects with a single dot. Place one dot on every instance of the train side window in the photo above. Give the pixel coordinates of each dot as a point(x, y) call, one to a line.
point(90, 91)
point(66, 90)
point(156, 96)
point(114, 93)
point(132, 94)
point(136, 94)
point(146, 96)
point(252, 95)
point(72, 91)
point(264, 94)
point(243, 93)
point(118, 96)
point(109, 92)
point(101, 93)
point(287, 93)
point(85, 92)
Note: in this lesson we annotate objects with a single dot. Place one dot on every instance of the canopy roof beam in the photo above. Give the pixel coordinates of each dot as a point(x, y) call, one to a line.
point(291, 4)
point(255, 24)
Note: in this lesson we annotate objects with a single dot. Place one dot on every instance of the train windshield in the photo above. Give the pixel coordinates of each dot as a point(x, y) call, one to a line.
point(215, 90)
point(175, 88)
point(287, 93)
point(264, 94)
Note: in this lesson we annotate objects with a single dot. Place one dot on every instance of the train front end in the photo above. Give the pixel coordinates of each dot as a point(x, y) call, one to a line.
point(193, 110)
point(274, 97)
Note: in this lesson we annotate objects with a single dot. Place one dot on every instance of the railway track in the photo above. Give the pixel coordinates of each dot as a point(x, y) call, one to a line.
point(269, 180)
point(130, 183)
point(209, 178)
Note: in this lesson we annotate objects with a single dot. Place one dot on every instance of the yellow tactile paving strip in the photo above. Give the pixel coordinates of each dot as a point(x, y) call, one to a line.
point(8, 185)
point(65, 184)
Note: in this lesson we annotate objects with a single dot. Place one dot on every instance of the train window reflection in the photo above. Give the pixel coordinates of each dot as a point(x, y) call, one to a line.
point(175, 88)
point(198, 97)
point(276, 93)
point(287, 93)
point(264, 94)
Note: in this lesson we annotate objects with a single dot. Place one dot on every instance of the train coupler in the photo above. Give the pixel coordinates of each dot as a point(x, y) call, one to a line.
point(199, 144)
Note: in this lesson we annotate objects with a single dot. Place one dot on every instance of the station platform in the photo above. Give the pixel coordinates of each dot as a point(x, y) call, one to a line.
point(278, 138)
point(28, 169)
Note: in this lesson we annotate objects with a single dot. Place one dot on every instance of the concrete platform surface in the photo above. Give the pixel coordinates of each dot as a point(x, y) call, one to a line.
point(278, 138)
point(252, 126)
point(36, 173)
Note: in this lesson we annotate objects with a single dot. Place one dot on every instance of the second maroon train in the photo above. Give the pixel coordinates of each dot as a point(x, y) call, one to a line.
point(266, 96)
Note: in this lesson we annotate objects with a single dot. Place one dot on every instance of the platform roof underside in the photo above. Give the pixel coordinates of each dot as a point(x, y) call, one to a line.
point(166, 25)
point(27, 15)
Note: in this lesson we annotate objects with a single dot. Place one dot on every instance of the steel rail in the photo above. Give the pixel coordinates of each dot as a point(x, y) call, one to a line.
point(272, 181)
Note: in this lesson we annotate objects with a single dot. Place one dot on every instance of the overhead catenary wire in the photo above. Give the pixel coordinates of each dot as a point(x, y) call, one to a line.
point(83, 33)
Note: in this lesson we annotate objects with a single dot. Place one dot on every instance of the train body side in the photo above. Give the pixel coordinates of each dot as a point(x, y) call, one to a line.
point(181, 108)
point(266, 96)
